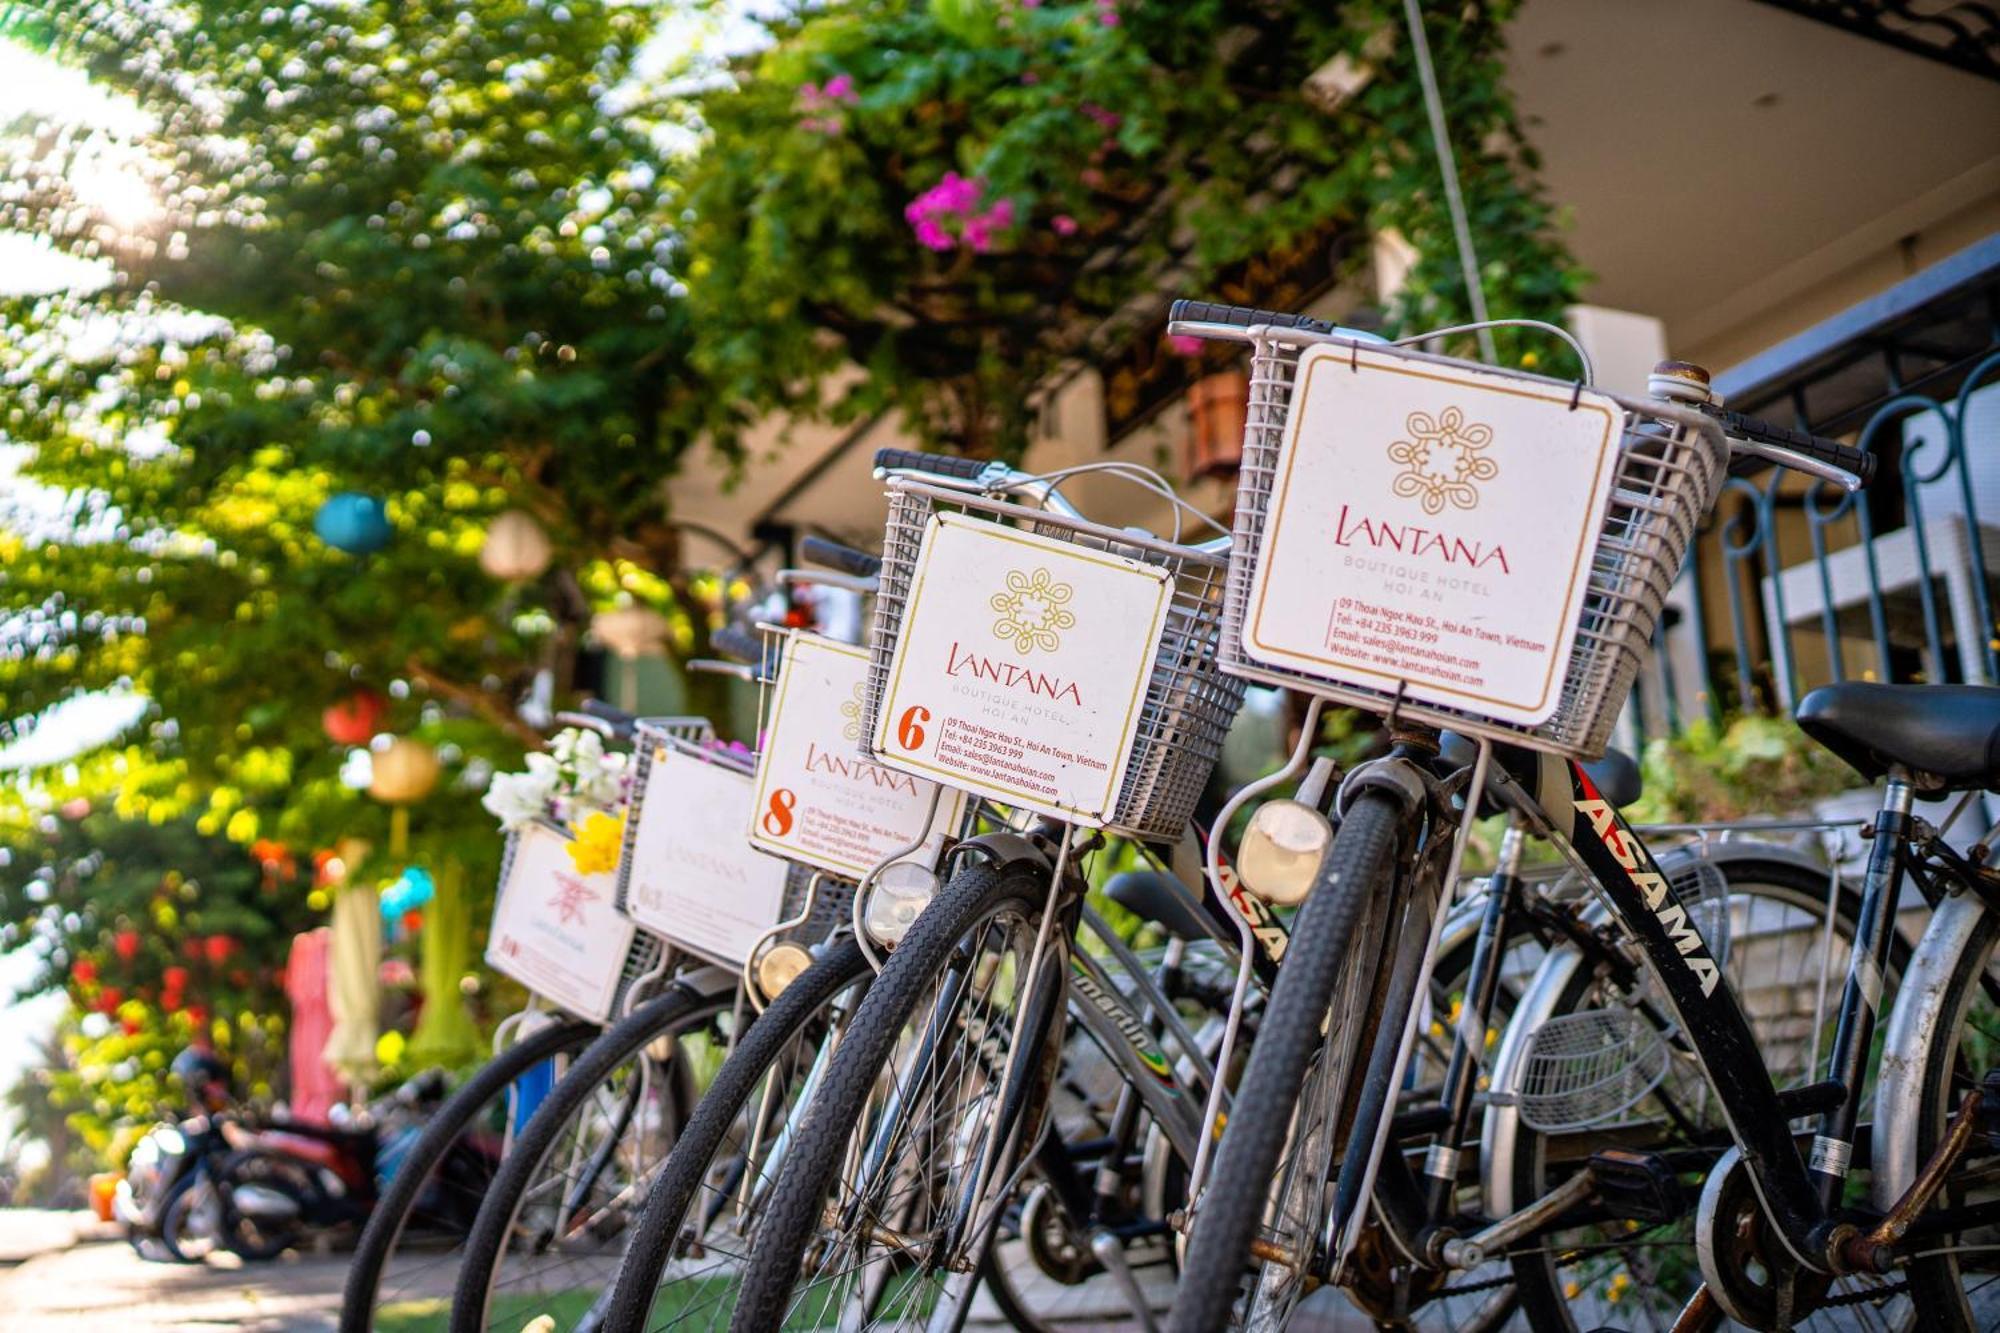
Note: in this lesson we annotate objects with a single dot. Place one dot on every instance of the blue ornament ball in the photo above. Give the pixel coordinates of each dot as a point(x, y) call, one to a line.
point(354, 523)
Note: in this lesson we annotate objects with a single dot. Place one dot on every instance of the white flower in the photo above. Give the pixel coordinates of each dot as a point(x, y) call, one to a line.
point(600, 781)
point(516, 799)
point(576, 747)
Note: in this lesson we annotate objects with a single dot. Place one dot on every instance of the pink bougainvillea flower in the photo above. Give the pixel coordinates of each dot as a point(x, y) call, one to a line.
point(950, 212)
point(1110, 120)
point(840, 88)
point(1064, 224)
point(931, 236)
point(1184, 345)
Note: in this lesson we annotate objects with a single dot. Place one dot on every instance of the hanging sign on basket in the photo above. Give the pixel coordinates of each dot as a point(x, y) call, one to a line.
point(1021, 667)
point(556, 931)
point(1432, 526)
point(818, 801)
point(692, 878)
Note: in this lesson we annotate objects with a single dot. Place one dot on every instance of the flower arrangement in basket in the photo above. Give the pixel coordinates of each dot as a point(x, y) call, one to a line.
point(576, 785)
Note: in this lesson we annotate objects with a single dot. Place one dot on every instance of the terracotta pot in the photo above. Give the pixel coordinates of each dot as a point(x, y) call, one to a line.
point(1218, 406)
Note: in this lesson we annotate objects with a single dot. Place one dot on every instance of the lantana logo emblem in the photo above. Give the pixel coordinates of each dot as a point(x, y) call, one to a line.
point(1033, 612)
point(851, 710)
point(1441, 460)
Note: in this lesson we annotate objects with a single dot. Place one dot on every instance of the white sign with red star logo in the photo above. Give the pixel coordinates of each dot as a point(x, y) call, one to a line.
point(556, 931)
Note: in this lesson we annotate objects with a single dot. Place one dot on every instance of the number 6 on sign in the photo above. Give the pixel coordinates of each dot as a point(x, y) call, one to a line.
point(1021, 667)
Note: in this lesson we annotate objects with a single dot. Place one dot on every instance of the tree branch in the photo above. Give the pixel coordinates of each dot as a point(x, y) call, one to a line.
point(478, 701)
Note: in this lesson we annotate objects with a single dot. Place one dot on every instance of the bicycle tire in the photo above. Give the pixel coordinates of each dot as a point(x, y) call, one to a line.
point(391, 1215)
point(673, 1009)
point(1937, 1286)
point(807, 1177)
point(681, 1179)
point(1361, 858)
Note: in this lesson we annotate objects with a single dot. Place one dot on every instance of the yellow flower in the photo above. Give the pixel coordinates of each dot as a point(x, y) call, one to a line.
point(599, 838)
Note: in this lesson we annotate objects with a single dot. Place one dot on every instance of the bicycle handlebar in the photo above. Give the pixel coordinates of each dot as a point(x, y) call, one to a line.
point(834, 555)
point(944, 465)
point(741, 644)
point(1841, 464)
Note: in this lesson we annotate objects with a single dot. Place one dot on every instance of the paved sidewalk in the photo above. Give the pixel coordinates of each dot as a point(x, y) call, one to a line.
point(105, 1287)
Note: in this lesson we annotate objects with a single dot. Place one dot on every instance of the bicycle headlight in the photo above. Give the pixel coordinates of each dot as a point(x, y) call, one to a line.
point(1281, 851)
point(779, 966)
point(899, 895)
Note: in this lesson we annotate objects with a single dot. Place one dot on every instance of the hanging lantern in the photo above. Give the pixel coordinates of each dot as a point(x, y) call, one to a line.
point(355, 523)
point(405, 771)
point(516, 548)
point(354, 719)
point(1218, 405)
point(631, 631)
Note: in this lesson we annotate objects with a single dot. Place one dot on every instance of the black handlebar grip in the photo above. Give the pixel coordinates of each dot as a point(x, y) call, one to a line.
point(944, 465)
point(834, 555)
point(1843, 456)
point(742, 644)
point(1243, 316)
point(622, 723)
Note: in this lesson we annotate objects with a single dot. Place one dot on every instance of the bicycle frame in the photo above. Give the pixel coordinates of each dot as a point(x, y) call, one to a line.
point(1645, 905)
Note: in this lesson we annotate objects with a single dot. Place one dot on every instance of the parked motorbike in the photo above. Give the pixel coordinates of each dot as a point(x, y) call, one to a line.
point(213, 1182)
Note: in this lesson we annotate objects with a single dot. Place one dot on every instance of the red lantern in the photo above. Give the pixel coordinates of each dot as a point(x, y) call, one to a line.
point(84, 972)
point(126, 944)
point(355, 719)
point(218, 948)
point(130, 1026)
point(198, 1015)
point(175, 978)
point(413, 920)
point(109, 1000)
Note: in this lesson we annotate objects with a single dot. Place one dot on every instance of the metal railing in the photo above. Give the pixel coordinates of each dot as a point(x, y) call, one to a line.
point(1795, 584)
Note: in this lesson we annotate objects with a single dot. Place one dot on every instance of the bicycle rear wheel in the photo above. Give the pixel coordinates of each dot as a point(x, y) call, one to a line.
point(881, 1216)
point(1617, 1267)
point(684, 1265)
point(407, 1259)
point(547, 1238)
point(1956, 1284)
point(1247, 1188)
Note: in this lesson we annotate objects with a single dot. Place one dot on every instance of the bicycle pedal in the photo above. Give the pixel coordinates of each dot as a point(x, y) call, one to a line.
point(1637, 1186)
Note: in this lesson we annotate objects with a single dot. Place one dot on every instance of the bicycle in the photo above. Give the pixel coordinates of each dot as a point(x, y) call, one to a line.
point(409, 1253)
point(1404, 816)
point(857, 1066)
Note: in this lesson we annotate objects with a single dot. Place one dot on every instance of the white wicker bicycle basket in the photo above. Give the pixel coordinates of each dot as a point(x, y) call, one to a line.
point(1189, 703)
point(1671, 467)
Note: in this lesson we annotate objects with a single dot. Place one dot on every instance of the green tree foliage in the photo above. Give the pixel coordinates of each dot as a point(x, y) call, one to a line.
point(411, 250)
point(965, 195)
point(156, 931)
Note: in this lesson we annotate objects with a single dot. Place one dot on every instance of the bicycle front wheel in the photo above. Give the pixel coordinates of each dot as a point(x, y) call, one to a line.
point(882, 1215)
point(548, 1237)
point(1246, 1183)
point(406, 1262)
point(684, 1265)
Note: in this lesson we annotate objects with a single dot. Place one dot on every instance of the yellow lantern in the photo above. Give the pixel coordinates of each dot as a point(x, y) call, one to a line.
point(516, 548)
point(405, 772)
point(631, 631)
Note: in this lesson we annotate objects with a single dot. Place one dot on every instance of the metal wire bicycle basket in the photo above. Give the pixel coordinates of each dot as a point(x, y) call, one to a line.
point(1582, 1069)
point(1670, 469)
point(687, 735)
point(1188, 704)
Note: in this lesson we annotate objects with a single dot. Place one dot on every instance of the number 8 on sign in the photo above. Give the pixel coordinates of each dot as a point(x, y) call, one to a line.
point(778, 812)
point(910, 731)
